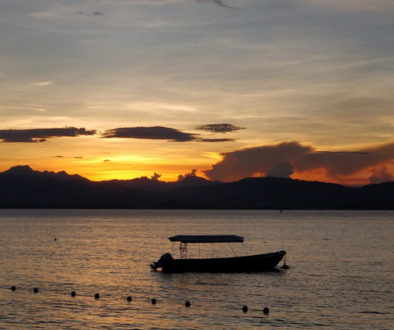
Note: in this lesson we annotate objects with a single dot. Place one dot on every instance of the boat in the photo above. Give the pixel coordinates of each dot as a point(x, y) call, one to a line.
point(237, 264)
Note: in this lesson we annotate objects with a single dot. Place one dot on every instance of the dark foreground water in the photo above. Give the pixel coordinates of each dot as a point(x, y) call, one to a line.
point(341, 270)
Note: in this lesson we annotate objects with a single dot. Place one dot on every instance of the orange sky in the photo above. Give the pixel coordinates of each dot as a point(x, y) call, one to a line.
point(171, 86)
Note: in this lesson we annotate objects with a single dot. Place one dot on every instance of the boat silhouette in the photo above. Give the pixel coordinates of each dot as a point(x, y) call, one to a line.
point(237, 264)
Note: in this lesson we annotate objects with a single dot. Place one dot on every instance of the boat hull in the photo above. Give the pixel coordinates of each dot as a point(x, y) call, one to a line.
point(253, 263)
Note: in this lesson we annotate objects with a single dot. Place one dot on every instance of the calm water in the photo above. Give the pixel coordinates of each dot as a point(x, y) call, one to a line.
point(340, 276)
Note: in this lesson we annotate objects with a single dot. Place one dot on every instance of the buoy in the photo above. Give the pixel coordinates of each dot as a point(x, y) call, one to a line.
point(245, 308)
point(129, 298)
point(187, 303)
point(35, 290)
point(73, 294)
point(96, 296)
point(154, 301)
point(266, 311)
point(13, 288)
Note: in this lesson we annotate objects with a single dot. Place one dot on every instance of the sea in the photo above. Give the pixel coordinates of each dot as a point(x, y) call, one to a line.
point(341, 273)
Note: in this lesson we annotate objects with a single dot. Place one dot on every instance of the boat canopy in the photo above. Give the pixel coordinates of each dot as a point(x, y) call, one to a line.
point(207, 239)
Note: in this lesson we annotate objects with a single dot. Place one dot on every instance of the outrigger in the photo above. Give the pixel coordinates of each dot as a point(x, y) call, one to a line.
point(253, 263)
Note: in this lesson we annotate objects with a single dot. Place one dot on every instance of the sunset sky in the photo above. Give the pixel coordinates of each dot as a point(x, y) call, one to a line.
point(118, 89)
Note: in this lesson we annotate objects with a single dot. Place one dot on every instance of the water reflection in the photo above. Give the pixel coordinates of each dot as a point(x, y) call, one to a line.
point(339, 277)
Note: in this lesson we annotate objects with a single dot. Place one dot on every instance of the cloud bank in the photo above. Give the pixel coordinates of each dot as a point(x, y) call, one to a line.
point(283, 159)
point(157, 133)
point(152, 133)
point(41, 134)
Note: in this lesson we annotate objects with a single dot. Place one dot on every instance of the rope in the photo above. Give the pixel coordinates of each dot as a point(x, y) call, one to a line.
point(232, 250)
point(243, 246)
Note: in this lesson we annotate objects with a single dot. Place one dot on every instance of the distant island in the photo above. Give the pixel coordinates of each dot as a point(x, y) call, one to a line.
point(22, 187)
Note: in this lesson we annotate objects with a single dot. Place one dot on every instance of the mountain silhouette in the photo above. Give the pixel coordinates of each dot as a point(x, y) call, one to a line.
point(22, 187)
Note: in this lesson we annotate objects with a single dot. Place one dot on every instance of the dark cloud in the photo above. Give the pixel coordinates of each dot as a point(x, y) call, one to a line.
point(157, 133)
point(94, 13)
point(381, 175)
point(216, 140)
point(282, 170)
point(41, 134)
point(75, 157)
point(155, 177)
point(220, 3)
point(153, 133)
point(284, 158)
point(219, 128)
point(192, 173)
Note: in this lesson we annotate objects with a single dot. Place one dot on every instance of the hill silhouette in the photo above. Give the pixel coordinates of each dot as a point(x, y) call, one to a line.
point(22, 187)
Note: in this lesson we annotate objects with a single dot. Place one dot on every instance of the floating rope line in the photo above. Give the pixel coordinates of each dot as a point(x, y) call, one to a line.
point(153, 301)
point(232, 250)
point(246, 251)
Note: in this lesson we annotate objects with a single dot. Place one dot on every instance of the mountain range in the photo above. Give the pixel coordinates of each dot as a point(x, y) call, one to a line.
point(22, 187)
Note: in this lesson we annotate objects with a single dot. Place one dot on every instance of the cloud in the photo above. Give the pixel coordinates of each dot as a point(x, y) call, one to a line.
point(153, 133)
point(220, 3)
point(41, 134)
point(374, 6)
point(74, 157)
point(155, 177)
point(219, 128)
point(43, 83)
point(284, 158)
point(184, 176)
point(381, 175)
point(216, 140)
point(283, 170)
point(94, 13)
point(157, 133)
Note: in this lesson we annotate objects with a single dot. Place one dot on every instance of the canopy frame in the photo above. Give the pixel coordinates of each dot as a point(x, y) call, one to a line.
point(207, 239)
point(185, 239)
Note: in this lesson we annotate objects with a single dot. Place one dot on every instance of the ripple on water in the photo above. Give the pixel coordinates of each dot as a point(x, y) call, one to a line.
point(327, 285)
